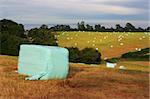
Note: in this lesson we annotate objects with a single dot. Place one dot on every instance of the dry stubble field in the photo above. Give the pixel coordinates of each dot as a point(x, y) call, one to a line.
point(83, 82)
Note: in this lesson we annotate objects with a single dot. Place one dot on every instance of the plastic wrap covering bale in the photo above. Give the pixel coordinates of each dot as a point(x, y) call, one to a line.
point(43, 62)
point(111, 65)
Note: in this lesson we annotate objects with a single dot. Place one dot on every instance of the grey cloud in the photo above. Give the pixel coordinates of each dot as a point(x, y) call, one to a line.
point(69, 11)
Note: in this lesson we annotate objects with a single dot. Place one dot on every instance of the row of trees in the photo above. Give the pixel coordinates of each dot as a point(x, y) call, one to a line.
point(81, 26)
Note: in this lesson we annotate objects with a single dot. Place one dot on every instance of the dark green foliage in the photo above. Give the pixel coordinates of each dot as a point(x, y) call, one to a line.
point(44, 26)
point(12, 28)
point(145, 50)
point(129, 27)
point(42, 36)
point(103, 29)
point(12, 35)
point(140, 29)
point(89, 27)
point(90, 56)
point(119, 28)
point(81, 26)
point(144, 53)
point(147, 29)
point(61, 28)
point(87, 55)
point(74, 55)
point(112, 60)
point(98, 27)
point(10, 44)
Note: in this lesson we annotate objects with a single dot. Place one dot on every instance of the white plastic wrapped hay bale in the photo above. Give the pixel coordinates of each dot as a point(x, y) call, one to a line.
point(122, 67)
point(110, 65)
point(43, 62)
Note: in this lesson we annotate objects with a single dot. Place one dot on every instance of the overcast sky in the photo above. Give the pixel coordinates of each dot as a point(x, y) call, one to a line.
point(107, 12)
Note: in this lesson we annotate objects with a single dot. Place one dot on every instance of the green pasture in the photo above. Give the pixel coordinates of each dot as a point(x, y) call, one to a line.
point(109, 44)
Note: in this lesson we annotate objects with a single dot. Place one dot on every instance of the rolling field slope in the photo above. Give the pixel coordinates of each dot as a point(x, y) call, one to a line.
point(109, 44)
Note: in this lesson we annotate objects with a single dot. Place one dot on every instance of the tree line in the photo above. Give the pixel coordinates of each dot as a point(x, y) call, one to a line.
point(82, 26)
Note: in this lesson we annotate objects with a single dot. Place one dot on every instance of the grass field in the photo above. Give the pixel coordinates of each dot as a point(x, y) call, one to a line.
point(109, 44)
point(83, 82)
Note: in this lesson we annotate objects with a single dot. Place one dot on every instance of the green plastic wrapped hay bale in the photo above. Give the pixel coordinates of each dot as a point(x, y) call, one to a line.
point(43, 62)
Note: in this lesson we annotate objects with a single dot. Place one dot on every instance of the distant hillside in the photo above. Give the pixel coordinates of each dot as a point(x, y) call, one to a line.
point(109, 44)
